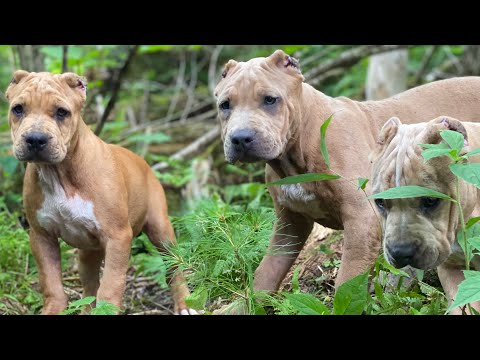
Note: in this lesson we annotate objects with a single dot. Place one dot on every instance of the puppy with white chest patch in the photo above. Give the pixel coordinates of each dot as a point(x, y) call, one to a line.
point(93, 195)
point(421, 232)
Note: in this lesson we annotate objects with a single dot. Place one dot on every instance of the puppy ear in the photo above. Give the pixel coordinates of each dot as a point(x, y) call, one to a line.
point(229, 65)
point(78, 83)
point(444, 123)
point(387, 133)
point(17, 77)
point(286, 63)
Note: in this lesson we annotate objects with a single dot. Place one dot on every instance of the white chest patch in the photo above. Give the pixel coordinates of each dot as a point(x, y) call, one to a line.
point(296, 192)
point(71, 218)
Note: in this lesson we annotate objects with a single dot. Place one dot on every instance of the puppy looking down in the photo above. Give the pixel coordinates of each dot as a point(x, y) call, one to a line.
point(421, 232)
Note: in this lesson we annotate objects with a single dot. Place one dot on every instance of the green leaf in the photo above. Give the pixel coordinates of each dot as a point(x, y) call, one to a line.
point(307, 304)
point(474, 242)
point(351, 296)
point(468, 290)
point(85, 301)
point(442, 145)
point(474, 152)
point(470, 172)
point(8, 163)
point(409, 191)
point(472, 221)
point(433, 153)
point(362, 183)
point(472, 232)
point(386, 266)
point(323, 144)
point(104, 308)
point(453, 138)
point(197, 299)
point(69, 311)
point(296, 179)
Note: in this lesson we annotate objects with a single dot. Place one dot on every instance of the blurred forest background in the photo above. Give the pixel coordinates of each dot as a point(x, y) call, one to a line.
point(157, 100)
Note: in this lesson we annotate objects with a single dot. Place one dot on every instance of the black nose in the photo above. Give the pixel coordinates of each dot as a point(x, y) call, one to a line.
point(402, 254)
point(36, 141)
point(242, 139)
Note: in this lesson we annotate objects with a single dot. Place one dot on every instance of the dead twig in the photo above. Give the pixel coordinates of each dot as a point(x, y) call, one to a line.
point(116, 87)
point(212, 68)
point(191, 149)
point(178, 86)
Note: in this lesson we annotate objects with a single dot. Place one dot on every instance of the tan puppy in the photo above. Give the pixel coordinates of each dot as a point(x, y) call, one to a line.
point(267, 113)
point(421, 232)
point(93, 195)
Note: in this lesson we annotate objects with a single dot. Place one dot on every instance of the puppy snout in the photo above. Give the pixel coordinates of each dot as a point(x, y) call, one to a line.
point(402, 254)
point(36, 141)
point(243, 139)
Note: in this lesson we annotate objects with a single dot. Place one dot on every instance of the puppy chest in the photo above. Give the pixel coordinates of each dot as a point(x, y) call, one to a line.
point(298, 199)
point(71, 218)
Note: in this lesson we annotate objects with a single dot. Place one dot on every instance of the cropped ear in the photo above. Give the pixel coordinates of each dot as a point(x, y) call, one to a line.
point(17, 77)
point(387, 133)
point(229, 65)
point(78, 83)
point(432, 135)
point(285, 62)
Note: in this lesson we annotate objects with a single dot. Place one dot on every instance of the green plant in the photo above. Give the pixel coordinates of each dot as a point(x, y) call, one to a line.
point(102, 307)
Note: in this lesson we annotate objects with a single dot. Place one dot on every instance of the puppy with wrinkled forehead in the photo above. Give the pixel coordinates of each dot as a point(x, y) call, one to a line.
point(93, 195)
point(421, 232)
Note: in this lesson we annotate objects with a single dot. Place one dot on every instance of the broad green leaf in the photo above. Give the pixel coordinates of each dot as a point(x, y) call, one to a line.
point(442, 145)
point(386, 265)
point(453, 138)
point(472, 221)
point(470, 172)
point(474, 152)
point(323, 144)
point(69, 311)
point(351, 296)
point(85, 301)
point(104, 308)
point(468, 290)
point(472, 232)
point(296, 179)
point(197, 299)
point(409, 191)
point(433, 153)
point(362, 183)
point(295, 282)
point(474, 242)
point(307, 304)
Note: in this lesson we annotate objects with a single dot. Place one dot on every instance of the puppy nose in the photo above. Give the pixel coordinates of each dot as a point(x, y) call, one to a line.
point(242, 139)
point(402, 254)
point(36, 141)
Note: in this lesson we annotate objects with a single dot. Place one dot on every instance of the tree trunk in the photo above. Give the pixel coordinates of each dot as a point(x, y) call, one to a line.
point(386, 74)
point(31, 58)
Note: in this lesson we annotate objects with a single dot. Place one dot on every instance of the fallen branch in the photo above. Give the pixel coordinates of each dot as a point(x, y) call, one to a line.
point(116, 88)
point(195, 147)
point(350, 58)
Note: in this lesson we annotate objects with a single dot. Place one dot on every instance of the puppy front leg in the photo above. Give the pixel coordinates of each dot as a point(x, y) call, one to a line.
point(46, 251)
point(117, 253)
point(450, 278)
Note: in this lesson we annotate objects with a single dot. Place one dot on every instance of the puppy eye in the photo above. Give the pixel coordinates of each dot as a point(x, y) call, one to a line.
point(61, 113)
point(429, 203)
point(270, 100)
point(225, 105)
point(17, 110)
point(380, 204)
